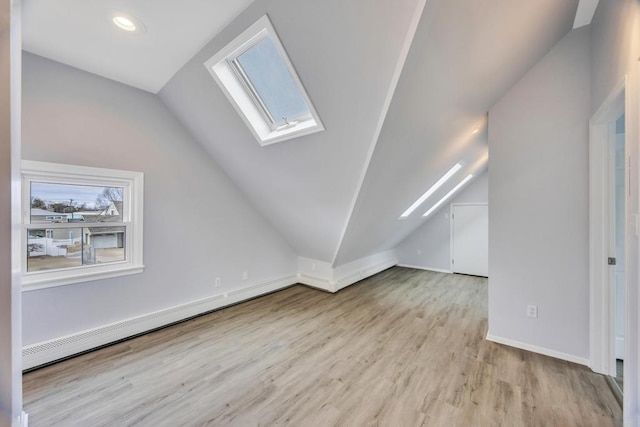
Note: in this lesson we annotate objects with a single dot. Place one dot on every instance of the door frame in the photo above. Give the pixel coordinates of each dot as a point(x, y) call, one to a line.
point(451, 220)
point(601, 219)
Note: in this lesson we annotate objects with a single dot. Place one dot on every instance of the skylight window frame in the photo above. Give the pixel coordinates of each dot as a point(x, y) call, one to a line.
point(227, 71)
point(242, 76)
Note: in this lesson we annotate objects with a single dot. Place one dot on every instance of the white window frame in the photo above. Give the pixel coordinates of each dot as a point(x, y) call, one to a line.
point(224, 68)
point(133, 193)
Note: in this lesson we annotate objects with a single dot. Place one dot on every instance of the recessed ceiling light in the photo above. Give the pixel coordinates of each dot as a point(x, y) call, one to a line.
point(124, 23)
point(449, 194)
point(431, 190)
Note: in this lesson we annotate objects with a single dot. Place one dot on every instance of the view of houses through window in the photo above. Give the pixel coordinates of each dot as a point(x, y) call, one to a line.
point(74, 225)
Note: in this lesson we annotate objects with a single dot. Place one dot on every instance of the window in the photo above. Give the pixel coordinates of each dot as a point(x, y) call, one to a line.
point(79, 224)
point(257, 77)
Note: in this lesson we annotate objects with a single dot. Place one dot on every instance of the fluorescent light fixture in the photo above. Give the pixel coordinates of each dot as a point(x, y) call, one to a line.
point(432, 190)
point(449, 194)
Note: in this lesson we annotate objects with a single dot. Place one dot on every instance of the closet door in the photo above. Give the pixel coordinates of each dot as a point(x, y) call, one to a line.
point(470, 239)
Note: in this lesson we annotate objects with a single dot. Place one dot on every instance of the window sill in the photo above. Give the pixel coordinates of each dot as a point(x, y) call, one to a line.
point(37, 281)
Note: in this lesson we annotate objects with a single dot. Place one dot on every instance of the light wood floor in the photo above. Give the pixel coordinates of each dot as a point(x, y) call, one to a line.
point(403, 348)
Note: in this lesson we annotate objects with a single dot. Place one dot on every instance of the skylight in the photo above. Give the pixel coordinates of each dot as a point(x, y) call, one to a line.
point(266, 74)
point(258, 78)
point(448, 195)
point(431, 190)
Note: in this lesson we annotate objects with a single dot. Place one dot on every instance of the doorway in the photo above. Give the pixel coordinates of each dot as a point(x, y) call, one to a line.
point(470, 239)
point(608, 233)
point(617, 202)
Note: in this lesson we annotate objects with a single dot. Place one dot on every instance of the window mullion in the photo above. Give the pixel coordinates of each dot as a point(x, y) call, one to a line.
point(251, 90)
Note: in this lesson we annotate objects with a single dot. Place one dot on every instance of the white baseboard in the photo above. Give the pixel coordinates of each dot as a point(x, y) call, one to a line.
point(347, 279)
point(317, 282)
point(537, 349)
point(44, 352)
point(362, 273)
point(417, 267)
point(23, 421)
point(48, 351)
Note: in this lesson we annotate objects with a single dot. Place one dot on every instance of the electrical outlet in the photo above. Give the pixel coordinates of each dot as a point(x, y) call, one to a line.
point(218, 282)
point(245, 275)
point(532, 311)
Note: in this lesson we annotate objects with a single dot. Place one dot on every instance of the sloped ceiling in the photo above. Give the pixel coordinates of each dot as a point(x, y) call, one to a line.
point(336, 195)
point(465, 55)
point(345, 53)
point(456, 69)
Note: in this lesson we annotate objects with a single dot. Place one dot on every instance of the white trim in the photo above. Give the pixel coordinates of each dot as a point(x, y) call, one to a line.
point(540, 350)
point(353, 276)
point(317, 282)
point(417, 267)
point(362, 273)
point(402, 58)
point(107, 271)
point(601, 283)
point(14, 406)
point(244, 102)
point(48, 351)
point(23, 420)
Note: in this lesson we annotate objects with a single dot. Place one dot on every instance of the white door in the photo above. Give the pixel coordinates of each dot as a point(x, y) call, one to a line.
point(470, 239)
point(618, 200)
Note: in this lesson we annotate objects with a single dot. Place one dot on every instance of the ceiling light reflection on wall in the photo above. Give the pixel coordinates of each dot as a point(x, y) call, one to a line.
point(449, 194)
point(432, 189)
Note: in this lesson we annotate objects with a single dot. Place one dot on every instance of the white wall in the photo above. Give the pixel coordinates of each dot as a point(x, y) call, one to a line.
point(10, 295)
point(198, 226)
point(429, 247)
point(615, 49)
point(538, 205)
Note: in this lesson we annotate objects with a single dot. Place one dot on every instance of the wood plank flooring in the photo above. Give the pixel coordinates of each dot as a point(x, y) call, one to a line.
point(402, 348)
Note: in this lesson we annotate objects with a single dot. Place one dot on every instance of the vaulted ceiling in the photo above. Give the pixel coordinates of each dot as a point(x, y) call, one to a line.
point(400, 87)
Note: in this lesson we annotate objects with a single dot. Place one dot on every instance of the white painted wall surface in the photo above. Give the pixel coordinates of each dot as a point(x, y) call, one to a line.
point(198, 225)
point(538, 204)
point(429, 247)
point(10, 295)
point(615, 49)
